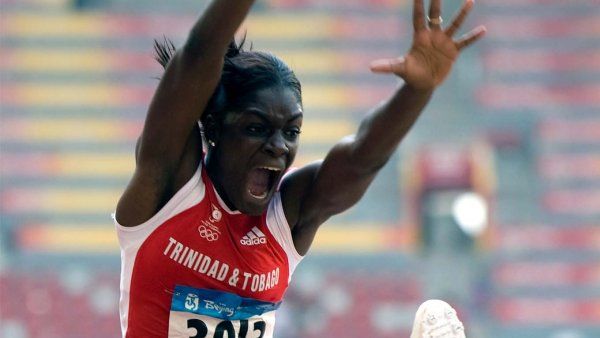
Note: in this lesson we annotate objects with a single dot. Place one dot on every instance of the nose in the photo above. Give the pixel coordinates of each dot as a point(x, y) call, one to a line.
point(276, 145)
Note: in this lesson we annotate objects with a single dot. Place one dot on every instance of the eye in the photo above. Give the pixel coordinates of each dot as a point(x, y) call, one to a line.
point(292, 133)
point(256, 130)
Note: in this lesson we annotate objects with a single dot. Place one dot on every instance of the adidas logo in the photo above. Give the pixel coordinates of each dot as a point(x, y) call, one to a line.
point(254, 237)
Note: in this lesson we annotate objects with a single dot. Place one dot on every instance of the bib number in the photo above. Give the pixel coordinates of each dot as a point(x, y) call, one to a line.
point(226, 327)
point(202, 313)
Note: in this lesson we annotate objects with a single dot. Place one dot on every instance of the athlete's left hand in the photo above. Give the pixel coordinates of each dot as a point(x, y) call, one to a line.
point(433, 50)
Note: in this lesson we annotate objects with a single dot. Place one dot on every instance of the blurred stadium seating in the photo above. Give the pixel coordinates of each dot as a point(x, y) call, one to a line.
point(76, 80)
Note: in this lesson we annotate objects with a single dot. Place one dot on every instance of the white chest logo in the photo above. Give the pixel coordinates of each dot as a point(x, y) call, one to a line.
point(215, 215)
point(208, 229)
point(254, 237)
point(209, 232)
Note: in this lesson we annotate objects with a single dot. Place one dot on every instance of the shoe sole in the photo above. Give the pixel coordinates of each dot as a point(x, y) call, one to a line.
point(437, 319)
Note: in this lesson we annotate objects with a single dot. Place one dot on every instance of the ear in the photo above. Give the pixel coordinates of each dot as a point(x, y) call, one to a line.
point(211, 129)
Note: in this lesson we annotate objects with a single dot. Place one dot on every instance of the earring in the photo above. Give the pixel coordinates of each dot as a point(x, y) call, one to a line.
point(211, 142)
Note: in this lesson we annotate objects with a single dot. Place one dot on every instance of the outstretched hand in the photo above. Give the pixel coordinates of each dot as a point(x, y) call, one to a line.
point(433, 50)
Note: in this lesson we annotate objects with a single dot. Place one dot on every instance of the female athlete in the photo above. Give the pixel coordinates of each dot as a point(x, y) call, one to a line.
point(212, 224)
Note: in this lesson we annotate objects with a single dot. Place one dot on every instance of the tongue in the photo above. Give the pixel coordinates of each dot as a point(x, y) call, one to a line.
point(258, 182)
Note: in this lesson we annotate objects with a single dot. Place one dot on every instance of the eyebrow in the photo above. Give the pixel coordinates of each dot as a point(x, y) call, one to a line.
point(263, 116)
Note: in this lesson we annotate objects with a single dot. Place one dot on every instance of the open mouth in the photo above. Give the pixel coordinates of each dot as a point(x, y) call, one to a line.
point(261, 181)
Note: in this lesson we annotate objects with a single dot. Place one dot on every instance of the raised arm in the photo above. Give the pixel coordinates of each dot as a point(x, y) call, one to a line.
point(338, 182)
point(170, 145)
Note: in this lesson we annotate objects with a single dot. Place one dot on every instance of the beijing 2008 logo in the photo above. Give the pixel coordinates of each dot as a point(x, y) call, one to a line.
point(191, 302)
point(208, 233)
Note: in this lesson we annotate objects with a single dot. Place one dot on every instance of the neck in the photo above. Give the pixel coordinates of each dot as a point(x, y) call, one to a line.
point(214, 174)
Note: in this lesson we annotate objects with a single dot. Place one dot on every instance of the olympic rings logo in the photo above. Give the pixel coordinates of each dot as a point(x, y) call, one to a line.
point(208, 234)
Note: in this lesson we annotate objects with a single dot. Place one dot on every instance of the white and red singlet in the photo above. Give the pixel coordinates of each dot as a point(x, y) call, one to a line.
point(198, 269)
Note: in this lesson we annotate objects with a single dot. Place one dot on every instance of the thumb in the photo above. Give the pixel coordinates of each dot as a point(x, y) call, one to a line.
point(396, 66)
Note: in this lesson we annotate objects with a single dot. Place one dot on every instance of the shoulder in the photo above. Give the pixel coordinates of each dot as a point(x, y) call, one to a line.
point(294, 187)
point(155, 182)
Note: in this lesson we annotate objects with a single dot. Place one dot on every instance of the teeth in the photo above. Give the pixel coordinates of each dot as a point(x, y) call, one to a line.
point(259, 196)
point(270, 169)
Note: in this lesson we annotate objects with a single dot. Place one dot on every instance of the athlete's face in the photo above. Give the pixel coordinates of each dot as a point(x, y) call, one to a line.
point(256, 144)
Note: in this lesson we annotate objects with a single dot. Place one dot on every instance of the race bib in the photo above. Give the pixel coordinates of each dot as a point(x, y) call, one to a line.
point(200, 313)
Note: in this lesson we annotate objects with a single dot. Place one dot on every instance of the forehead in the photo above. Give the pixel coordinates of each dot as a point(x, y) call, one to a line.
point(273, 102)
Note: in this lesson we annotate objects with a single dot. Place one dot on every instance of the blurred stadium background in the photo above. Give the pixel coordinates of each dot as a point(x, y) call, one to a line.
point(492, 203)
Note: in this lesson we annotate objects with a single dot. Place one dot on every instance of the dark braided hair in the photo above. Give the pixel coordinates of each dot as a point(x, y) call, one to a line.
point(244, 72)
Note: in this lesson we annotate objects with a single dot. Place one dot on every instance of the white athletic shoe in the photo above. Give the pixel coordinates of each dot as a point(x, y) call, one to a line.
point(437, 319)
